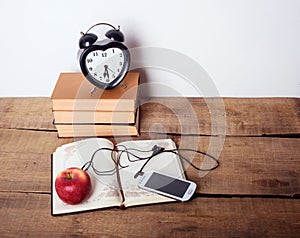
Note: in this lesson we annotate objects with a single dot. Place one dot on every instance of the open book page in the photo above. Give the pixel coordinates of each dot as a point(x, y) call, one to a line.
point(167, 163)
point(105, 189)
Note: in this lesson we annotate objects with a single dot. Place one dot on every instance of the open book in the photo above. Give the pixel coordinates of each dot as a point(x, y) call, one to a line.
point(106, 191)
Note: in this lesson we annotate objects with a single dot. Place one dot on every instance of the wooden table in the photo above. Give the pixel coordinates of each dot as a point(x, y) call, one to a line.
point(255, 191)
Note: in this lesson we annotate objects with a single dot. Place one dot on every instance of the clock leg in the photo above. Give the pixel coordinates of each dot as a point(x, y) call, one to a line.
point(123, 85)
point(93, 90)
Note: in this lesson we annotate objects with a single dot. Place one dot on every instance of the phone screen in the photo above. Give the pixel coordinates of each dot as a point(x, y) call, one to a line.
point(167, 185)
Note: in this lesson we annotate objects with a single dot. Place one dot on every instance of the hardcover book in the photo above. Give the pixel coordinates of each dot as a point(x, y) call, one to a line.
point(110, 189)
point(72, 92)
point(66, 130)
point(95, 117)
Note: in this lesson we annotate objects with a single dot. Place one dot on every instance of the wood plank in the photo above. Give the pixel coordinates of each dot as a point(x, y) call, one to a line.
point(25, 159)
point(258, 166)
point(263, 116)
point(222, 116)
point(28, 214)
point(242, 116)
point(252, 166)
point(26, 113)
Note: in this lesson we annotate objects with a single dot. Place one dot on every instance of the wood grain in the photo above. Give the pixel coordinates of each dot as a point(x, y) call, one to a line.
point(28, 214)
point(258, 166)
point(254, 193)
point(252, 166)
point(26, 113)
point(243, 117)
point(228, 116)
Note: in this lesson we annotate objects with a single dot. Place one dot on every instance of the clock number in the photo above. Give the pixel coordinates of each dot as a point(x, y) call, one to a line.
point(95, 53)
point(121, 55)
point(104, 54)
point(121, 63)
point(89, 60)
point(90, 68)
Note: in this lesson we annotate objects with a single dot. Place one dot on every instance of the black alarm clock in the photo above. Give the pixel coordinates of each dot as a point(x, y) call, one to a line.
point(104, 62)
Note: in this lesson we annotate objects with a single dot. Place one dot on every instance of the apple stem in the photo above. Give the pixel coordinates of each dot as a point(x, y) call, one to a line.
point(69, 176)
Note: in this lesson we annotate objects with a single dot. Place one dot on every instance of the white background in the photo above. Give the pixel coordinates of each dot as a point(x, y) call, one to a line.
point(250, 48)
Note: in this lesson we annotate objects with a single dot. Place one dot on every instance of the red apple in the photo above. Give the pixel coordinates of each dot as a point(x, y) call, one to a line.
point(72, 185)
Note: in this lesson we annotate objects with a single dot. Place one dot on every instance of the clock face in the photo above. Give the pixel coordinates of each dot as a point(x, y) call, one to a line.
point(105, 66)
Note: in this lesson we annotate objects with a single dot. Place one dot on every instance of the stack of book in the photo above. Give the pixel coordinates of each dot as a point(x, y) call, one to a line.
point(80, 111)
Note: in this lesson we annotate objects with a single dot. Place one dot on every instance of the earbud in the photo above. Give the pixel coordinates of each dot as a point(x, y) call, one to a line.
point(115, 35)
point(87, 40)
point(157, 150)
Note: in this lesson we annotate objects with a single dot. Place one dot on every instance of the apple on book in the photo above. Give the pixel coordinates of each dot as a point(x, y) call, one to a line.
point(73, 185)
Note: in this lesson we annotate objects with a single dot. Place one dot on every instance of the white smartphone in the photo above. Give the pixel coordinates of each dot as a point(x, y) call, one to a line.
point(167, 185)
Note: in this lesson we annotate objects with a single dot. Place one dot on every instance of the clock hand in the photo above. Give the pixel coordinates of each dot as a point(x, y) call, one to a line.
point(106, 74)
point(111, 70)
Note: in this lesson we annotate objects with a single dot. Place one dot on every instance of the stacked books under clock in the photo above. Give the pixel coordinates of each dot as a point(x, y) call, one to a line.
point(80, 111)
